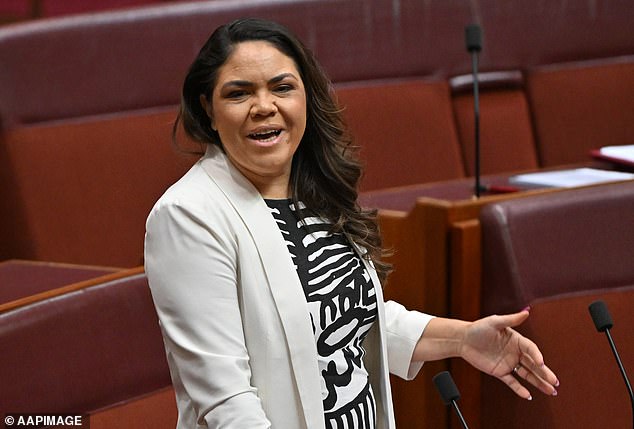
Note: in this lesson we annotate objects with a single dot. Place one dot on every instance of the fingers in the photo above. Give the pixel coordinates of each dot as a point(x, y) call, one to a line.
point(539, 376)
point(533, 361)
point(512, 380)
point(535, 373)
point(502, 322)
point(516, 386)
point(531, 368)
point(523, 359)
point(529, 349)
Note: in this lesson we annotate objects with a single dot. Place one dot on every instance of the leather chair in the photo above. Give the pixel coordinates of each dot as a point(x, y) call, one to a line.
point(581, 106)
point(96, 350)
point(506, 133)
point(404, 129)
point(558, 253)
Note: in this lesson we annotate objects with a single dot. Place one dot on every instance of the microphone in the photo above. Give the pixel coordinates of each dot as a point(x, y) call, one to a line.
point(449, 393)
point(473, 37)
point(603, 322)
point(473, 40)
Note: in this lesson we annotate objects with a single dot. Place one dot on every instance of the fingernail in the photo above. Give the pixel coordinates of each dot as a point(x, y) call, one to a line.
point(554, 392)
point(527, 308)
point(530, 398)
point(557, 383)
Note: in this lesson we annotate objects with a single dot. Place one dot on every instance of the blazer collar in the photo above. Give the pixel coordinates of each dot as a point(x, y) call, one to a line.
point(282, 277)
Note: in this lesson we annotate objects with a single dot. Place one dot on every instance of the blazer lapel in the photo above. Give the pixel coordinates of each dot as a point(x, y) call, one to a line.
point(282, 277)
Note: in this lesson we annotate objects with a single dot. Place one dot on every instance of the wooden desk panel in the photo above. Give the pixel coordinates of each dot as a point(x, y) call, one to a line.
point(156, 410)
point(436, 257)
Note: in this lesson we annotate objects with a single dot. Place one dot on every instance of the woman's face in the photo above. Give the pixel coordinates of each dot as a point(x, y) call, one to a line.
point(258, 107)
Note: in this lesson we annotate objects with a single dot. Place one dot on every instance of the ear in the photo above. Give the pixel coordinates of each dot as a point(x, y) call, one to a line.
point(207, 108)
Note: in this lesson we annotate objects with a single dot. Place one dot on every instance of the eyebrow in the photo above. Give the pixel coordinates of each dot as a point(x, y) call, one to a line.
point(273, 80)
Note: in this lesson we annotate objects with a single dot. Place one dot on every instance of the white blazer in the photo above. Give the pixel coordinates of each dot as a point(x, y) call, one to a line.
point(234, 318)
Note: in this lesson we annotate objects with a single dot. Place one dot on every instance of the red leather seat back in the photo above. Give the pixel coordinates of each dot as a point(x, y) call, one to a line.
point(592, 392)
point(82, 351)
point(558, 253)
point(81, 190)
point(565, 242)
point(582, 106)
point(405, 131)
point(506, 134)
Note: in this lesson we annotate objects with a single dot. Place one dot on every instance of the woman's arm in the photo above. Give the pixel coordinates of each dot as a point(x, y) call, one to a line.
point(403, 330)
point(191, 269)
point(492, 346)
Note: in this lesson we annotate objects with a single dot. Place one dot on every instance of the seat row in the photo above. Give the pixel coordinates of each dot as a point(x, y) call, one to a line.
point(556, 252)
point(87, 102)
point(90, 348)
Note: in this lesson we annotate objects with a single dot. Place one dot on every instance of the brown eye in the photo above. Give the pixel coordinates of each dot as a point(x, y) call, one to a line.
point(236, 94)
point(284, 88)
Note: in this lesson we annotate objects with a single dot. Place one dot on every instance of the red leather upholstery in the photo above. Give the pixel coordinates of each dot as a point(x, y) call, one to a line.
point(66, 7)
point(14, 10)
point(506, 135)
point(84, 102)
point(80, 190)
point(578, 107)
point(520, 34)
point(20, 279)
point(569, 241)
point(559, 253)
point(135, 58)
point(82, 351)
point(405, 130)
point(87, 102)
point(592, 392)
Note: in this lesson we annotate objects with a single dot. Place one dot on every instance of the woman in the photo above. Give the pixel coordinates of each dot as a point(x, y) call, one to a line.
point(265, 272)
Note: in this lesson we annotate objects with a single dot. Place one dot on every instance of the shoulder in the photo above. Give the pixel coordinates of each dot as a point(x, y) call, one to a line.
point(213, 195)
point(194, 197)
point(192, 189)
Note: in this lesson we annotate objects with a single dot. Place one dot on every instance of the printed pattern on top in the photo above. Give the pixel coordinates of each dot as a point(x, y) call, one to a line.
point(342, 304)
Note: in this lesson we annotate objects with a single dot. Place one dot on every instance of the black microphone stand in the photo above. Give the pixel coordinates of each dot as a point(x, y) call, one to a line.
point(603, 322)
point(473, 39)
point(622, 369)
point(454, 404)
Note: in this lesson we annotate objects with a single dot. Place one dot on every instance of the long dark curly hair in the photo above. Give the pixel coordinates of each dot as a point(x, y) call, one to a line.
point(325, 169)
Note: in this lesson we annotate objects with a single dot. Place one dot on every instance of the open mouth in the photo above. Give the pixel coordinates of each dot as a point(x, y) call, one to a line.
point(265, 135)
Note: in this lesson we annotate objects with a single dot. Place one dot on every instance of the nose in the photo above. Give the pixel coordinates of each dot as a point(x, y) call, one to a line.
point(263, 105)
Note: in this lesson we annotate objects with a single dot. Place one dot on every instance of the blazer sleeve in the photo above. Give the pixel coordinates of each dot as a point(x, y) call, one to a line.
point(191, 268)
point(403, 330)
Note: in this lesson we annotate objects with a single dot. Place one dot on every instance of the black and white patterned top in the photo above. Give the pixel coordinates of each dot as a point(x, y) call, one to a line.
point(342, 306)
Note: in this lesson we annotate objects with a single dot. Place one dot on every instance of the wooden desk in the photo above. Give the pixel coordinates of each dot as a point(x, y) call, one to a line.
point(434, 233)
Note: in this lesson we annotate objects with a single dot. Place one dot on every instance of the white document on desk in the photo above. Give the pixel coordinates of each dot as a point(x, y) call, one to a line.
point(625, 152)
point(569, 178)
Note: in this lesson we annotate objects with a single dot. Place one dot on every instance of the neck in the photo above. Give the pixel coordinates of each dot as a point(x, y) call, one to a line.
point(271, 186)
point(275, 194)
point(273, 190)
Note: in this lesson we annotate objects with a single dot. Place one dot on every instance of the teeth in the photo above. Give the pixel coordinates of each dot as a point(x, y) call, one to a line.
point(265, 134)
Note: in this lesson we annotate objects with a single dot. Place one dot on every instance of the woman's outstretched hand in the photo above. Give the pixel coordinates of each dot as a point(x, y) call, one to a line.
point(494, 347)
